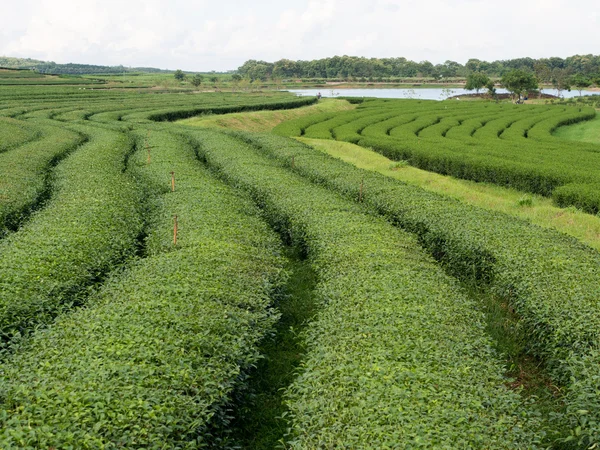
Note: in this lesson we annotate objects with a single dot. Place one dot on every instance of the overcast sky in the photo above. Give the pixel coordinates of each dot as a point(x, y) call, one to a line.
point(221, 34)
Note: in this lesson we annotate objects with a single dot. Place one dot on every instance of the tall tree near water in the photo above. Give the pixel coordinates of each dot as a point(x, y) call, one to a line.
point(477, 81)
point(580, 82)
point(519, 81)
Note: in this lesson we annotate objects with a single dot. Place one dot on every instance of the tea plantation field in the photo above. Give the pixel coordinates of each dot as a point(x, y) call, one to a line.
point(147, 266)
point(503, 143)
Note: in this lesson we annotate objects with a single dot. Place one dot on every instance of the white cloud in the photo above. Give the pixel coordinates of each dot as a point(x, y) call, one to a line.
point(221, 35)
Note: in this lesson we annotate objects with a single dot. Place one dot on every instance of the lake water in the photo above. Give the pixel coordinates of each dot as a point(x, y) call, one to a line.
point(422, 93)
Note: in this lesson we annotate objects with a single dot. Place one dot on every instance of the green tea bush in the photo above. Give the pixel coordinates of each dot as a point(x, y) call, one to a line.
point(550, 280)
point(14, 133)
point(25, 173)
point(153, 359)
point(583, 196)
point(177, 114)
point(398, 355)
point(91, 223)
point(298, 126)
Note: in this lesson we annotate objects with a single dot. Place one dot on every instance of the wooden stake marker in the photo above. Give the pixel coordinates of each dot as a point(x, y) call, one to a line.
point(148, 149)
point(172, 181)
point(175, 230)
point(360, 192)
point(293, 161)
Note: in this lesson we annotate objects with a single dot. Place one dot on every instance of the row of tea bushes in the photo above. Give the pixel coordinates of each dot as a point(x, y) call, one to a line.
point(324, 129)
point(551, 280)
point(277, 102)
point(25, 171)
point(91, 223)
point(298, 127)
point(543, 130)
point(397, 355)
point(14, 133)
point(153, 359)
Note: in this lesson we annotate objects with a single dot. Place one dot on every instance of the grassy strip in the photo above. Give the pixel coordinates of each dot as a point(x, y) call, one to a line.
point(265, 120)
point(261, 423)
point(534, 208)
point(152, 361)
point(534, 270)
point(91, 223)
point(25, 173)
point(398, 356)
point(584, 131)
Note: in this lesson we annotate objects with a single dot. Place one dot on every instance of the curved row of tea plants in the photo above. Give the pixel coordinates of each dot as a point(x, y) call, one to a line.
point(398, 355)
point(152, 360)
point(91, 223)
point(552, 281)
point(25, 173)
point(14, 133)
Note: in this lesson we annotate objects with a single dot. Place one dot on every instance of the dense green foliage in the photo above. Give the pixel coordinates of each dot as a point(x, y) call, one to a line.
point(152, 360)
point(344, 67)
point(535, 270)
point(24, 186)
point(519, 82)
point(499, 143)
point(14, 133)
point(398, 356)
point(476, 81)
point(178, 113)
point(91, 223)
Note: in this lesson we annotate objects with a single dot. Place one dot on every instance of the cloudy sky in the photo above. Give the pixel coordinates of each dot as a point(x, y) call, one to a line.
point(222, 34)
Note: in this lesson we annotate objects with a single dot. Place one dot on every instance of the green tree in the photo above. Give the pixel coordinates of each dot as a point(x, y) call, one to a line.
point(256, 70)
point(581, 82)
point(197, 80)
point(476, 80)
point(179, 75)
point(518, 81)
point(491, 88)
point(561, 80)
point(542, 72)
point(236, 78)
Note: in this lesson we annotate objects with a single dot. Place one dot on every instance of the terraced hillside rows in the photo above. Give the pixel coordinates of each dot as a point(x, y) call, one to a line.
point(509, 145)
point(142, 269)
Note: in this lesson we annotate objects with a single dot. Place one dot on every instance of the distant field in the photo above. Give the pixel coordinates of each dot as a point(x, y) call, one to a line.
point(26, 77)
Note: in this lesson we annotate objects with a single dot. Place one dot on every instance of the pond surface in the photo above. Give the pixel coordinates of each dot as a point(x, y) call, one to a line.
point(422, 93)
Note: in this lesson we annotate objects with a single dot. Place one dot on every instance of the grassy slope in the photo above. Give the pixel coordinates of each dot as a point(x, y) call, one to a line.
point(537, 209)
point(265, 120)
point(588, 131)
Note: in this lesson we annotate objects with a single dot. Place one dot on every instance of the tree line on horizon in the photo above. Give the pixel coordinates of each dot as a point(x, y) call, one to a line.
point(379, 69)
point(52, 68)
